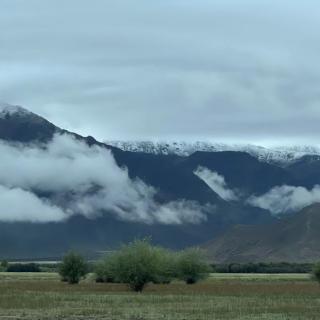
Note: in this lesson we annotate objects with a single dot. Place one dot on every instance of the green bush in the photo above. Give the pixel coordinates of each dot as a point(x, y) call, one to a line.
point(4, 265)
point(73, 268)
point(105, 269)
point(135, 264)
point(166, 266)
point(140, 263)
point(191, 266)
point(316, 272)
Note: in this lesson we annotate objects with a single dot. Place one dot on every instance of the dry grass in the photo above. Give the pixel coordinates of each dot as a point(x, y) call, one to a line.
point(42, 296)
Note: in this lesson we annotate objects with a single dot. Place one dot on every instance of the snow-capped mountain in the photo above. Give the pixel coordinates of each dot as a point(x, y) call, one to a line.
point(219, 191)
point(20, 125)
point(7, 109)
point(276, 155)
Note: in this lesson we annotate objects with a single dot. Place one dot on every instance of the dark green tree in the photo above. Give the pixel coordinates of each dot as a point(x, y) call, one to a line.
point(4, 265)
point(73, 268)
point(191, 265)
point(137, 264)
point(316, 272)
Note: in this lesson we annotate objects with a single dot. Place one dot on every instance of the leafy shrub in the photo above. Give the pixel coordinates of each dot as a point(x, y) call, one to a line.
point(135, 264)
point(105, 269)
point(140, 263)
point(191, 266)
point(166, 266)
point(73, 268)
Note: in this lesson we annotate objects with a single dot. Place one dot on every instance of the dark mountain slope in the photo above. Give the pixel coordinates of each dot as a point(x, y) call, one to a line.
point(167, 175)
point(296, 239)
point(306, 170)
point(241, 170)
point(25, 126)
point(25, 240)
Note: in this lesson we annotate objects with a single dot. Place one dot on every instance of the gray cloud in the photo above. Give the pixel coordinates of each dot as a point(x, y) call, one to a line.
point(216, 182)
point(121, 69)
point(81, 180)
point(286, 199)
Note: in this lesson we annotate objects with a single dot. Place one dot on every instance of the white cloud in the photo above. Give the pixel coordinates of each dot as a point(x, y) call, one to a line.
point(17, 205)
point(216, 182)
point(286, 199)
point(84, 180)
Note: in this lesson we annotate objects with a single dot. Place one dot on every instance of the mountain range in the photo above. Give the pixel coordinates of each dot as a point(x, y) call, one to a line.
point(280, 155)
point(93, 196)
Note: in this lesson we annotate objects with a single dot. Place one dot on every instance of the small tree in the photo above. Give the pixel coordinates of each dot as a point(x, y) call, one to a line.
point(73, 268)
point(191, 266)
point(139, 263)
point(316, 272)
point(4, 265)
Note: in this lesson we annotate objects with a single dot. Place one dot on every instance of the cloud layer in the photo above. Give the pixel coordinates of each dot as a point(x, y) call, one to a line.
point(216, 182)
point(225, 70)
point(18, 205)
point(79, 180)
point(286, 199)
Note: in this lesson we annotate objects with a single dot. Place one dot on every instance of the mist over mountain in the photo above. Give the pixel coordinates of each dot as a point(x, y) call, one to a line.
point(61, 191)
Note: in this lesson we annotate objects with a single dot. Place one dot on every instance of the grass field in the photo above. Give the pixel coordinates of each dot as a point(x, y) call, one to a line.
point(245, 297)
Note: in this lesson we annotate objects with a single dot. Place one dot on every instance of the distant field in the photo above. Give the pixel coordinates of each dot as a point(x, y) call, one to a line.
point(222, 296)
point(261, 276)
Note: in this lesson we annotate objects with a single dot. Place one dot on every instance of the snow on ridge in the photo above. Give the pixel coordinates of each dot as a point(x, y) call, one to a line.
point(7, 109)
point(277, 155)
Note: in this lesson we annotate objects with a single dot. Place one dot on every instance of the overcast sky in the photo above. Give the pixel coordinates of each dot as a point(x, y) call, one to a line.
point(228, 70)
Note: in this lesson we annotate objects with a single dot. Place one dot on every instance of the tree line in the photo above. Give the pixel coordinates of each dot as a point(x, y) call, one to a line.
point(264, 267)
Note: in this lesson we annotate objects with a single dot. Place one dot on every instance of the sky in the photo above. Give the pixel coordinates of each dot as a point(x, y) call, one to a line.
point(227, 71)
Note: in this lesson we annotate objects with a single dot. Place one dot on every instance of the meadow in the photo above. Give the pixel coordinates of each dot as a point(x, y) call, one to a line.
point(222, 296)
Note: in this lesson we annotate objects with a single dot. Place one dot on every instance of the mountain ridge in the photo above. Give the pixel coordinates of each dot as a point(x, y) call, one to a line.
point(282, 155)
point(171, 177)
point(295, 239)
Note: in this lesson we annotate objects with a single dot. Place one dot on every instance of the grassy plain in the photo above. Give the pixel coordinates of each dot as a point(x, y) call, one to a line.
point(239, 297)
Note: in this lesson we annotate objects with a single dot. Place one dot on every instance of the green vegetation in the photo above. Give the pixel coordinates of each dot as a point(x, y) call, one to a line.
point(222, 296)
point(191, 266)
point(105, 269)
point(316, 272)
point(73, 268)
point(4, 265)
point(136, 264)
point(140, 263)
point(23, 267)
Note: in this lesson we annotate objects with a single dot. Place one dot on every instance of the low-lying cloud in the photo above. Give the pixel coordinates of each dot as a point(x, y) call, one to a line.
point(286, 199)
point(18, 205)
point(216, 182)
point(78, 179)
